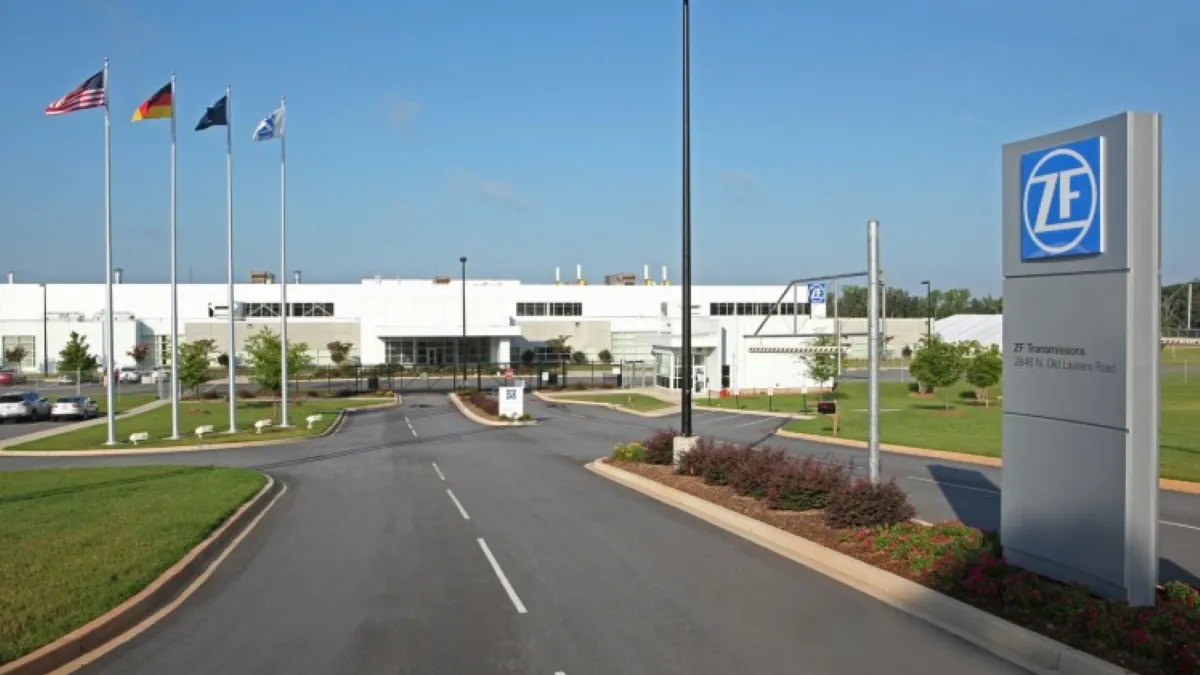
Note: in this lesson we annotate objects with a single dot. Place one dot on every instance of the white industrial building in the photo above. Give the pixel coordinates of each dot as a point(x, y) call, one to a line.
point(419, 322)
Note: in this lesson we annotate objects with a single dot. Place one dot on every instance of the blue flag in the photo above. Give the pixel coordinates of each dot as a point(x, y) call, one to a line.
point(271, 127)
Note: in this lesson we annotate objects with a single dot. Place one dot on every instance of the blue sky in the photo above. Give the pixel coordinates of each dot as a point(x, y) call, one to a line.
point(529, 134)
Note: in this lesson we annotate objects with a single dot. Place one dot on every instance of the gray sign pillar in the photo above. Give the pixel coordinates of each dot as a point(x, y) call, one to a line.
point(1081, 351)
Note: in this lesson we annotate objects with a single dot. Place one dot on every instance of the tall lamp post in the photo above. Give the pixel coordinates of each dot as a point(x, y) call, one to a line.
point(685, 415)
point(462, 346)
point(928, 310)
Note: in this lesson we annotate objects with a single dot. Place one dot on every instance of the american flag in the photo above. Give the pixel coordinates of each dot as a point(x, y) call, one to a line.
point(90, 94)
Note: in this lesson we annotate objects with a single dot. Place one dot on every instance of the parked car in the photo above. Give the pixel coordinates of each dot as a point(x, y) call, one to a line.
point(9, 377)
point(129, 376)
point(74, 407)
point(27, 406)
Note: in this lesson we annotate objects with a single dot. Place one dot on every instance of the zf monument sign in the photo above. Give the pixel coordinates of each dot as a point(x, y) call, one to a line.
point(1081, 341)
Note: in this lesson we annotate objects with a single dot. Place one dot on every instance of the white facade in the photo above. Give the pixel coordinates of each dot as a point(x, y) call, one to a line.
point(418, 322)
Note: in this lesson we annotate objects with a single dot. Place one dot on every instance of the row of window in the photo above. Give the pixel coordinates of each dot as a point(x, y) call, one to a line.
point(756, 308)
point(271, 309)
point(549, 309)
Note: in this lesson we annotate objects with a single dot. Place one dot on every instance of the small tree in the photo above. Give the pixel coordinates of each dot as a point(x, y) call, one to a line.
point(15, 355)
point(139, 352)
point(822, 362)
point(527, 357)
point(76, 356)
point(559, 346)
point(937, 364)
point(264, 357)
point(339, 351)
point(605, 356)
point(223, 360)
point(194, 358)
point(984, 368)
point(579, 358)
point(907, 352)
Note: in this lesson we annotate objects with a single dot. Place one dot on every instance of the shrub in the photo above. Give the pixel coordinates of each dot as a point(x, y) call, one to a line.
point(718, 465)
point(691, 462)
point(804, 484)
point(660, 447)
point(210, 395)
point(246, 393)
point(754, 469)
point(313, 393)
point(630, 452)
point(866, 504)
point(527, 417)
point(483, 403)
point(345, 392)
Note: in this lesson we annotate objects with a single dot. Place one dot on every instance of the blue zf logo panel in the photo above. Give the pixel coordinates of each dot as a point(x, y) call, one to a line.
point(1062, 208)
point(816, 294)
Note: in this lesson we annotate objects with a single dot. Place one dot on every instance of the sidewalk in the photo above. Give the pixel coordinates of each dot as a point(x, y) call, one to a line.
point(65, 428)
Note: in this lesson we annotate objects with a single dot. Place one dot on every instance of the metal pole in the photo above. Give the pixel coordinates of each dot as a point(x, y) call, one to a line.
point(795, 310)
point(928, 311)
point(174, 287)
point(45, 336)
point(873, 287)
point(837, 323)
point(111, 413)
point(1189, 309)
point(686, 384)
point(231, 354)
point(283, 309)
point(883, 314)
point(463, 262)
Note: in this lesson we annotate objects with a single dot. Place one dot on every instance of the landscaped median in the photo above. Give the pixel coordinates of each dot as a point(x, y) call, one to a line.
point(968, 584)
point(954, 421)
point(156, 424)
point(635, 403)
point(483, 408)
point(90, 553)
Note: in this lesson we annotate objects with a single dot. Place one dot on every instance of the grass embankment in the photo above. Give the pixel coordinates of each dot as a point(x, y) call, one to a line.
point(970, 427)
point(193, 414)
point(79, 542)
point(637, 402)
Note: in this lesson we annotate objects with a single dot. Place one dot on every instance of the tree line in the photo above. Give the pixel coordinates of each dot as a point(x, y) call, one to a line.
point(900, 304)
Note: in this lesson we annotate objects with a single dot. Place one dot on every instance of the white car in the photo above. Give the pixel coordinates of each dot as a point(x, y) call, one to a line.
point(129, 376)
point(27, 406)
point(74, 407)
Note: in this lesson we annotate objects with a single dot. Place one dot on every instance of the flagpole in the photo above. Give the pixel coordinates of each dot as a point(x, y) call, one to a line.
point(232, 353)
point(108, 266)
point(283, 255)
point(174, 286)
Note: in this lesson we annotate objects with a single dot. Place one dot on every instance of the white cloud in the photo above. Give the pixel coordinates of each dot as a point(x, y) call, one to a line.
point(492, 190)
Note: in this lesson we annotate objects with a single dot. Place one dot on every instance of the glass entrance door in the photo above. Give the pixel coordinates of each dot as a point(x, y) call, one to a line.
point(433, 356)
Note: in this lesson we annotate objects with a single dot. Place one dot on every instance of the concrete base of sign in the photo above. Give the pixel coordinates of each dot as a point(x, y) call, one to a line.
point(681, 446)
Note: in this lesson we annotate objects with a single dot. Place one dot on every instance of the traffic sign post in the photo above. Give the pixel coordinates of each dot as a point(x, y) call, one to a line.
point(1081, 238)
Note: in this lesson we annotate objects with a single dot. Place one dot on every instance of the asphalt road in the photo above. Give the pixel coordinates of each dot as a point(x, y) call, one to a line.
point(938, 489)
point(414, 541)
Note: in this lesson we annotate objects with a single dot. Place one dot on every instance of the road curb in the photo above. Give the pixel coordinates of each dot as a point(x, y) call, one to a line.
point(478, 419)
point(550, 398)
point(1023, 647)
point(332, 429)
point(757, 413)
point(1168, 484)
point(157, 596)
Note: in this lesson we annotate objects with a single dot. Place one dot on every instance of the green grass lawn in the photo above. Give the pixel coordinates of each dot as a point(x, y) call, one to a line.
point(786, 403)
point(1180, 355)
point(638, 402)
point(969, 427)
point(78, 542)
point(193, 414)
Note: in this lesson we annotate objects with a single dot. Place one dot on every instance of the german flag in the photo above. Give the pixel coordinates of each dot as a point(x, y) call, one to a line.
point(157, 107)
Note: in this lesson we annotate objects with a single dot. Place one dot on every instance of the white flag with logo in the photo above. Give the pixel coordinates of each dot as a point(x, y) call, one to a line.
point(271, 127)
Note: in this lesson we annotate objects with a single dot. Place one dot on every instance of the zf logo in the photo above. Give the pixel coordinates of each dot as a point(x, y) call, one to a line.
point(1062, 201)
point(1018, 347)
point(816, 294)
point(510, 395)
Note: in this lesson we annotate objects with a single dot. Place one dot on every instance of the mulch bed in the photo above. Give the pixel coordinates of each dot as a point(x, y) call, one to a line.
point(1070, 630)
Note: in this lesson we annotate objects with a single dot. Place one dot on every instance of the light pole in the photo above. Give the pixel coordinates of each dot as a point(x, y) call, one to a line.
point(928, 311)
point(685, 414)
point(463, 344)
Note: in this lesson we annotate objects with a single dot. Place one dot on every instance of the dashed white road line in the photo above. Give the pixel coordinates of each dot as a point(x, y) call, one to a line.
point(512, 594)
point(459, 505)
point(410, 426)
point(1183, 525)
point(721, 419)
point(753, 422)
point(439, 471)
